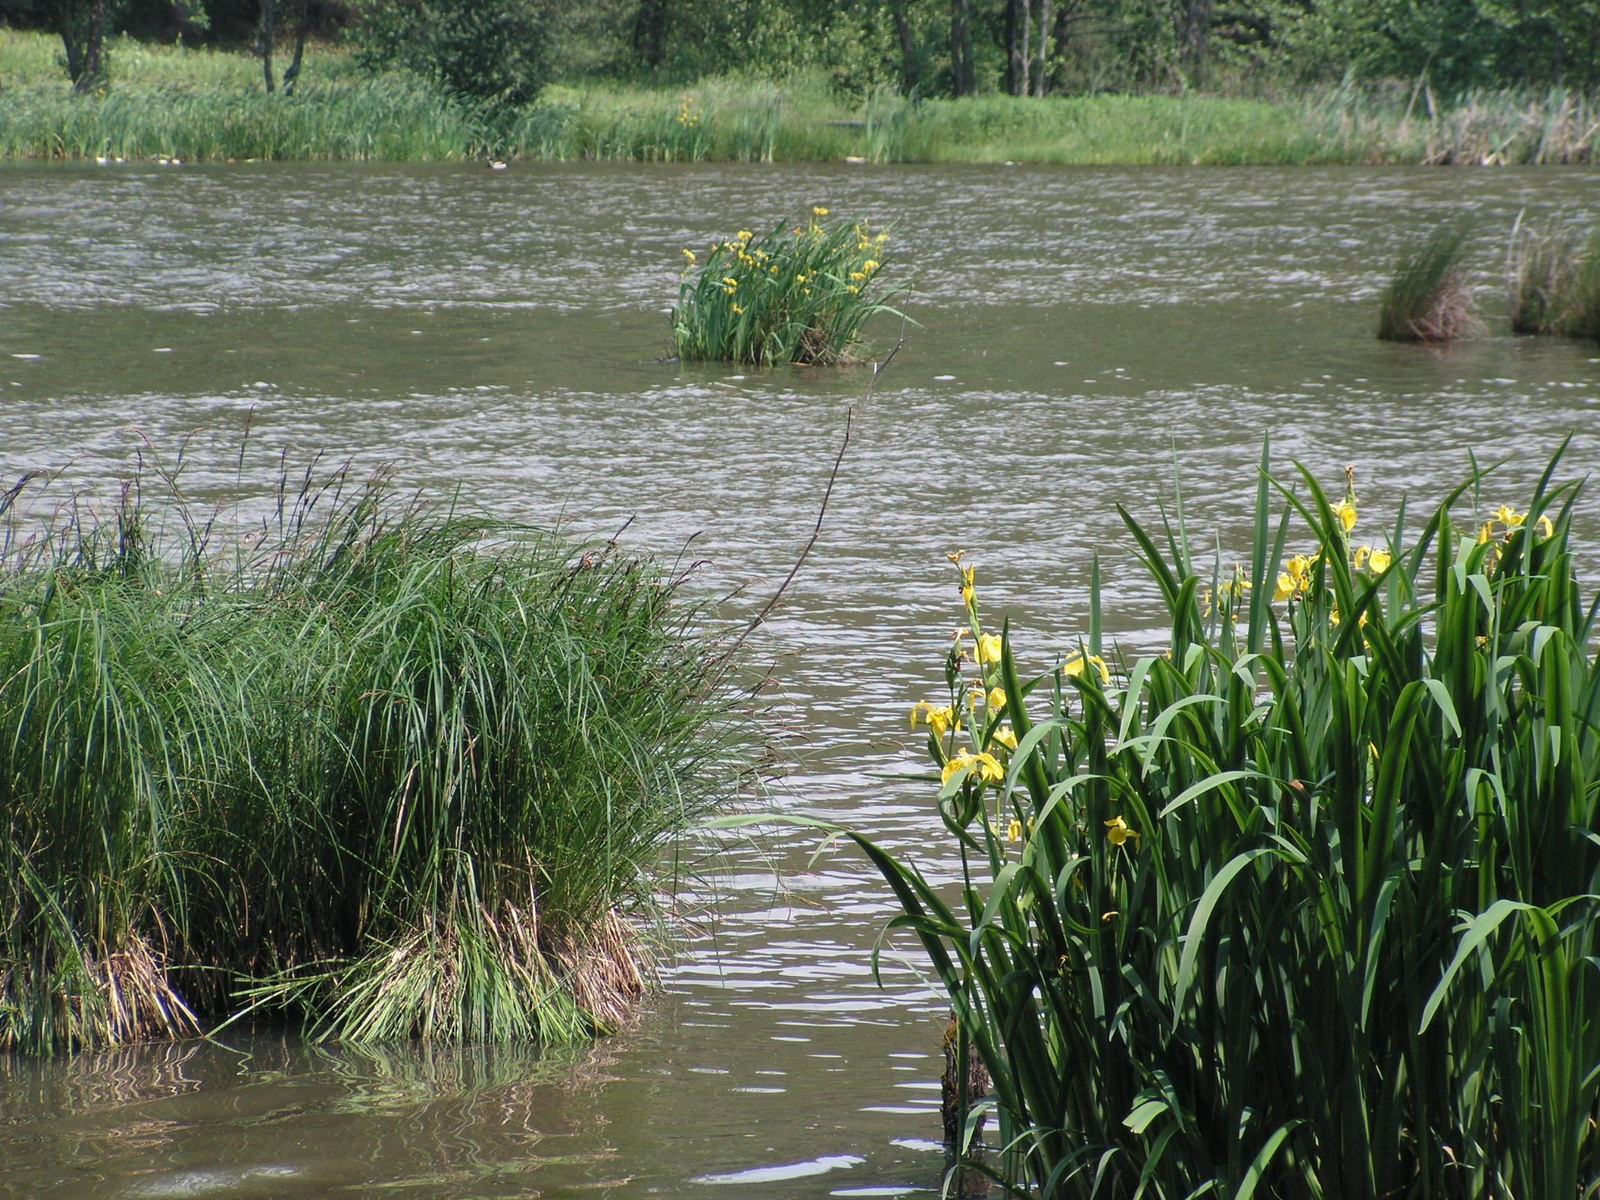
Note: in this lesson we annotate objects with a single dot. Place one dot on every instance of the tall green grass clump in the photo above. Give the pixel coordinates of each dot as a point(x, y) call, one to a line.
point(1553, 282)
point(1428, 299)
point(1305, 905)
point(378, 764)
point(797, 295)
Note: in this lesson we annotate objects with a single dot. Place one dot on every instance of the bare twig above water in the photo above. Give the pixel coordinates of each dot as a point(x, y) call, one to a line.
point(822, 509)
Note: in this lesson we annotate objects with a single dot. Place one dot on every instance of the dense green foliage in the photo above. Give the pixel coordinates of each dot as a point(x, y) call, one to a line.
point(487, 49)
point(1440, 48)
point(1306, 905)
point(796, 295)
point(202, 104)
point(399, 769)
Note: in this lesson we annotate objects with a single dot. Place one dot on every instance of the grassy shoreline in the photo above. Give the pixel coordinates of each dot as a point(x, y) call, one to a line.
point(202, 105)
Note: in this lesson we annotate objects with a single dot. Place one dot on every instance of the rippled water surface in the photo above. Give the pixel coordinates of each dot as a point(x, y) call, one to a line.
point(1084, 335)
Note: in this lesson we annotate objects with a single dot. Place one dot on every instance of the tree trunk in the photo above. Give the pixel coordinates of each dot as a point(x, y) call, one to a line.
point(72, 45)
point(301, 30)
point(1019, 39)
point(963, 81)
point(650, 32)
point(1196, 30)
point(908, 50)
point(269, 29)
point(94, 68)
point(1040, 69)
point(83, 36)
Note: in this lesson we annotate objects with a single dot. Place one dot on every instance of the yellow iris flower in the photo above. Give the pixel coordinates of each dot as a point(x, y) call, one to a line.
point(1014, 831)
point(818, 211)
point(996, 699)
point(1075, 666)
point(1006, 738)
point(938, 720)
point(988, 649)
point(1118, 833)
point(986, 767)
point(1345, 511)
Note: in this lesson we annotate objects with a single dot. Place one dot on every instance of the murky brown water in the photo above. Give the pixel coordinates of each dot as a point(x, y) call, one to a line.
point(1083, 331)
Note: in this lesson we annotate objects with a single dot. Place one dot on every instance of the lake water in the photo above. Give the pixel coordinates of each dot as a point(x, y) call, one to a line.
point(1084, 337)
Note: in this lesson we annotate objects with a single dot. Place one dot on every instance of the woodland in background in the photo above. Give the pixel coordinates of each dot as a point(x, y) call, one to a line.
point(509, 49)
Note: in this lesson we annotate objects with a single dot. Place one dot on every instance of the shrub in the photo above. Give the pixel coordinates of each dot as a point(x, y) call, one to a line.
point(398, 768)
point(1428, 300)
point(487, 49)
point(796, 295)
point(1305, 905)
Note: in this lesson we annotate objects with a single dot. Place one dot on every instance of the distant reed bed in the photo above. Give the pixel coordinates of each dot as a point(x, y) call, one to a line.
point(204, 105)
point(378, 764)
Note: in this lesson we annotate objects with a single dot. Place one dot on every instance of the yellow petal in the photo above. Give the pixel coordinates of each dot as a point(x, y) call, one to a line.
point(1380, 561)
point(954, 766)
point(1075, 666)
point(1006, 738)
point(988, 648)
point(1286, 588)
point(996, 699)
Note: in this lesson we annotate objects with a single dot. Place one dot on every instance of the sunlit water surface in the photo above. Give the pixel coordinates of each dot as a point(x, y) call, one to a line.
point(1085, 337)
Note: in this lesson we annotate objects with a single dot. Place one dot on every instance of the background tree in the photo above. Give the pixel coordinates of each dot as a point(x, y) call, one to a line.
point(488, 49)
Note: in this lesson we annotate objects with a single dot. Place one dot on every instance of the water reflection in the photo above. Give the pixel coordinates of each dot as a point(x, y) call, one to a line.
point(1087, 334)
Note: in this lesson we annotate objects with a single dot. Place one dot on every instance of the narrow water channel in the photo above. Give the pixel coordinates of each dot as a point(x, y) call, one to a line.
point(1083, 337)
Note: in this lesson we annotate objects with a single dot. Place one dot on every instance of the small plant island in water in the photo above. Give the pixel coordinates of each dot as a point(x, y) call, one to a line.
point(381, 766)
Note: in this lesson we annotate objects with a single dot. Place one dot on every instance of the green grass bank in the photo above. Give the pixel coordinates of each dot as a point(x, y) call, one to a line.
point(374, 763)
point(202, 105)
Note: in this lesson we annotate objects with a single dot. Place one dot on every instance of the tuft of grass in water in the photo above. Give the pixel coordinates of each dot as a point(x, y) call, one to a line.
point(1428, 300)
point(1306, 905)
point(1553, 282)
point(797, 295)
point(400, 769)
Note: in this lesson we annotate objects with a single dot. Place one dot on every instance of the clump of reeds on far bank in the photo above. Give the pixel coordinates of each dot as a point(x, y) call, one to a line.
point(1553, 281)
point(382, 765)
point(1429, 300)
